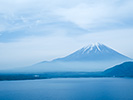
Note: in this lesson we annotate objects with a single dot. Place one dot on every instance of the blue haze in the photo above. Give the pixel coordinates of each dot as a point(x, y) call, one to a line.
point(95, 57)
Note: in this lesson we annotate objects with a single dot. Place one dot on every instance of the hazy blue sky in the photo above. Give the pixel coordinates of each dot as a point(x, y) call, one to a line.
point(35, 30)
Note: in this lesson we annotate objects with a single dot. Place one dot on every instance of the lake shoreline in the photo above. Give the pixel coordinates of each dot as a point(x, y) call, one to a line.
point(54, 75)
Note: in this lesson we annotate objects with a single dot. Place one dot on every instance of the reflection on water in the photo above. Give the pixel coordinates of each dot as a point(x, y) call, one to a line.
point(68, 89)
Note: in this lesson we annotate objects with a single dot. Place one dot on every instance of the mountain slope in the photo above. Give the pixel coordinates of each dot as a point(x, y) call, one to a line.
point(94, 52)
point(122, 70)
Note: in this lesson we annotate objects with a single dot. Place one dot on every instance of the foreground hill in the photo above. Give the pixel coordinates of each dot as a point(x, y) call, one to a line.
point(122, 70)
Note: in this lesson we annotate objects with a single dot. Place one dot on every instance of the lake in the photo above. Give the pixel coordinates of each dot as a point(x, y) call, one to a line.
point(68, 89)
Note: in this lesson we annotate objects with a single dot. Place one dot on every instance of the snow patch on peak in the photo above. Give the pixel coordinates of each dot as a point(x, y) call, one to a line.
point(94, 46)
point(97, 45)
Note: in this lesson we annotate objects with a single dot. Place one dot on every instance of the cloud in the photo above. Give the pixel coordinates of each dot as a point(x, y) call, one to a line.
point(37, 17)
point(33, 17)
point(99, 14)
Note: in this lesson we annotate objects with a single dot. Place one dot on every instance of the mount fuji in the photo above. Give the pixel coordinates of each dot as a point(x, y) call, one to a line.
point(94, 57)
point(94, 52)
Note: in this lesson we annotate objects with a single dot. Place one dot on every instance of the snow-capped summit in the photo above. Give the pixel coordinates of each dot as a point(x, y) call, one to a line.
point(97, 47)
point(94, 52)
point(91, 47)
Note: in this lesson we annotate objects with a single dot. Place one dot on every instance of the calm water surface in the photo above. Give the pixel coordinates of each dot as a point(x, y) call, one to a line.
point(68, 89)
